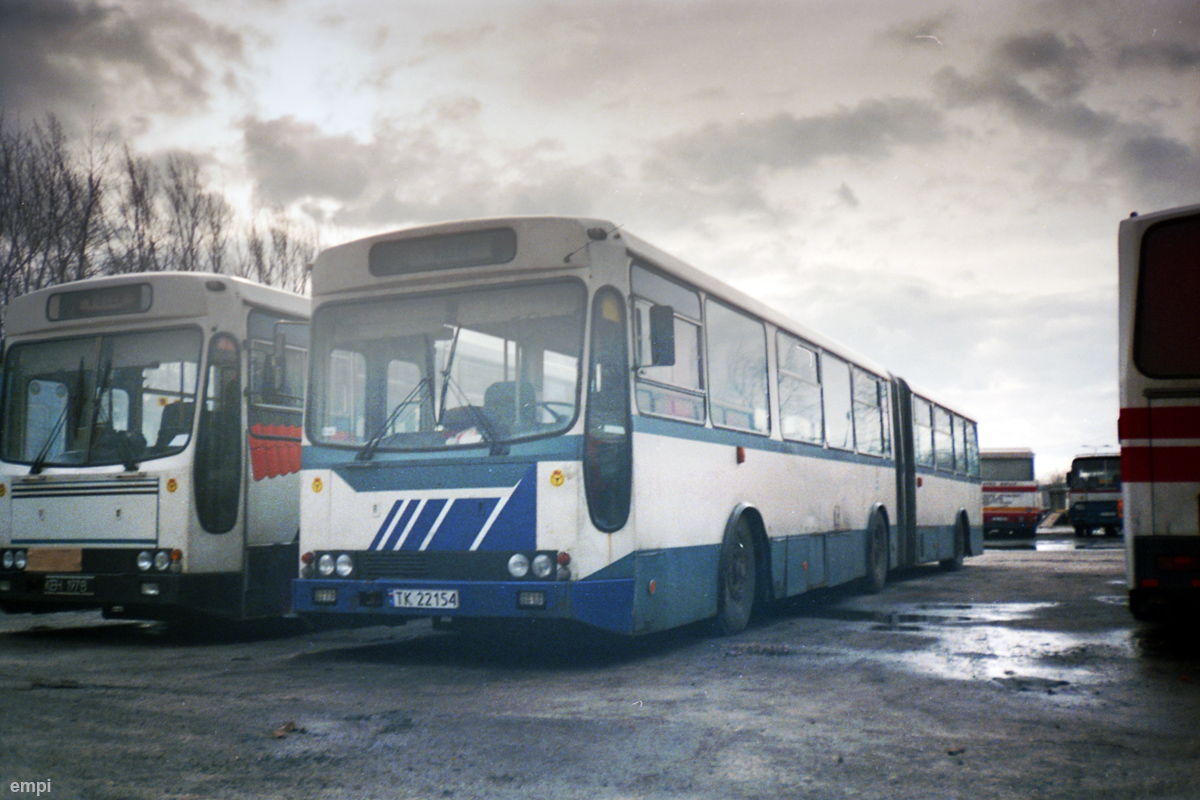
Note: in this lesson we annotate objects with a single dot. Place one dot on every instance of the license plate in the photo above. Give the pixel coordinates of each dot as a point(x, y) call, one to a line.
point(425, 598)
point(68, 585)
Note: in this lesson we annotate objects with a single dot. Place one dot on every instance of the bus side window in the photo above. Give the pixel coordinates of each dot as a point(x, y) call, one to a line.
point(839, 415)
point(923, 431)
point(219, 438)
point(870, 413)
point(737, 369)
point(943, 439)
point(799, 391)
point(675, 390)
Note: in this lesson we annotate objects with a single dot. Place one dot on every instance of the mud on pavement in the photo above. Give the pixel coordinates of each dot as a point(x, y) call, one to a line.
point(1020, 676)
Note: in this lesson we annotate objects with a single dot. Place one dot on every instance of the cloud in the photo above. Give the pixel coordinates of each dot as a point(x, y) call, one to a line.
point(732, 153)
point(75, 57)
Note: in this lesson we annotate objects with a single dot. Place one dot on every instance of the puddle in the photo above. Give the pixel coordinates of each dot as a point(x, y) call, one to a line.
point(971, 642)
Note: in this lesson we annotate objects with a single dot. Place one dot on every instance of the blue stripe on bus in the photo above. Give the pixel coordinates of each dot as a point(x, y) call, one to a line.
point(465, 523)
point(423, 524)
point(556, 448)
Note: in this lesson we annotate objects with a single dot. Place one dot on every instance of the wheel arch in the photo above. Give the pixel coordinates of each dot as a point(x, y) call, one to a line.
point(764, 584)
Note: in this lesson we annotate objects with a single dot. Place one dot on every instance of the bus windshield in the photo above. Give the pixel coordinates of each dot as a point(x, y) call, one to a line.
point(481, 367)
point(1092, 474)
point(100, 399)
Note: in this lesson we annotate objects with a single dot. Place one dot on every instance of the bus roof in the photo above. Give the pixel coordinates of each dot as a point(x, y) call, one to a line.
point(562, 242)
point(173, 295)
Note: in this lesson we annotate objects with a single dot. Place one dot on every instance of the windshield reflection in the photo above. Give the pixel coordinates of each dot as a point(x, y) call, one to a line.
point(481, 367)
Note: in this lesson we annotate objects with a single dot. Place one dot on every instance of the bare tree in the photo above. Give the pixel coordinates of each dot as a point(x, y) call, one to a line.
point(134, 242)
point(279, 255)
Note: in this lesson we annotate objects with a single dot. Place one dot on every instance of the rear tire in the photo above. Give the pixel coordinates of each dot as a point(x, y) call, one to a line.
point(960, 549)
point(736, 580)
point(877, 557)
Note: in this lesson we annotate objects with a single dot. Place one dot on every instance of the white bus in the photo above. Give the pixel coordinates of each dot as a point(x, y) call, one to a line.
point(549, 418)
point(149, 447)
point(1012, 500)
point(1159, 256)
point(1094, 494)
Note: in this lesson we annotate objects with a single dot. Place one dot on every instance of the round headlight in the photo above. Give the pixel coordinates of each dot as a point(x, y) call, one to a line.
point(145, 560)
point(9, 559)
point(345, 565)
point(19, 559)
point(325, 565)
point(518, 565)
point(162, 560)
point(543, 565)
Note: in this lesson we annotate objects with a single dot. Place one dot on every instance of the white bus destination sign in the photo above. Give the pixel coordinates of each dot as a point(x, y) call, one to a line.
point(130, 298)
point(443, 251)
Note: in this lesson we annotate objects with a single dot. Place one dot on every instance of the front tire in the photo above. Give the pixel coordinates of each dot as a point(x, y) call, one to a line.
point(955, 561)
point(736, 580)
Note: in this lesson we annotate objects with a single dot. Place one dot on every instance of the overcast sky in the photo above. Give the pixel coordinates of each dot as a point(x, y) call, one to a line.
point(935, 183)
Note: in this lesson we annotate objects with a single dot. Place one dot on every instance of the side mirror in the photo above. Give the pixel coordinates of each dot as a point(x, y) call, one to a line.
point(662, 336)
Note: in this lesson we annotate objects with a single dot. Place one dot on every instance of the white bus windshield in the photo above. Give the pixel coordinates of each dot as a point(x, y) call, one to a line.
point(101, 399)
point(478, 367)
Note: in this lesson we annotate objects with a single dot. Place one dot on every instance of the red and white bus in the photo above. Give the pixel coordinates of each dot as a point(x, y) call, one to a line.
point(1160, 407)
point(1012, 501)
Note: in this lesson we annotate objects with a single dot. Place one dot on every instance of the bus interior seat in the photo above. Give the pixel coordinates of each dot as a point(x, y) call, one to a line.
point(176, 419)
point(500, 401)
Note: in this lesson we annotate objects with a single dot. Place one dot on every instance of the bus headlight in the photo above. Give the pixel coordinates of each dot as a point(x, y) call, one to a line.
point(145, 560)
point(345, 565)
point(10, 559)
point(543, 565)
point(19, 559)
point(325, 565)
point(162, 560)
point(518, 565)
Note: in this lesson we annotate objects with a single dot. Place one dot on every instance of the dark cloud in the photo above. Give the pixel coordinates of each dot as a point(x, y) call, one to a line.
point(75, 56)
point(424, 172)
point(723, 154)
point(291, 160)
point(1173, 56)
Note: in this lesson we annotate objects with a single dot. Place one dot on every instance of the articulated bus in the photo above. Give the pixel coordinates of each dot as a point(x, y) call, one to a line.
point(1159, 256)
point(548, 418)
point(150, 447)
point(1094, 494)
point(1012, 500)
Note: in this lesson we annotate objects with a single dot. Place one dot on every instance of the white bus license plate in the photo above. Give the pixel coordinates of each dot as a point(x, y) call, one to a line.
point(425, 598)
point(68, 585)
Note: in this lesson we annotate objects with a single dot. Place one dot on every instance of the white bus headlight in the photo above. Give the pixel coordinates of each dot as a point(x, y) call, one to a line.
point(543, 565)
point(145, 560)
point(325, 565)
point(10, 559)
point(345, 565)
point(518, 565)
point(162, 560)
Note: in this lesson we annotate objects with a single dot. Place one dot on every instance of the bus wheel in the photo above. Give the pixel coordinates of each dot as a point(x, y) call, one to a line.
point(877, 556)
point(736, 579)
point(960, 548)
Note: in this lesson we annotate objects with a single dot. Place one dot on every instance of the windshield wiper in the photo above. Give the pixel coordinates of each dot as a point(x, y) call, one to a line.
point(367, 452)
point(39, 462)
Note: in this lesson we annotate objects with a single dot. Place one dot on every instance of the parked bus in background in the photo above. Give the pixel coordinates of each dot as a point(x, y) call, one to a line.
point(548, 418)
point(1159, 256)
point(1094, 494)
point(149, 454)
point(1012, 499)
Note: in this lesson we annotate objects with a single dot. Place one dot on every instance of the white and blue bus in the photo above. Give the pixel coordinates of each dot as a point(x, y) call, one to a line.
point(548, 418)
point(150, 447)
